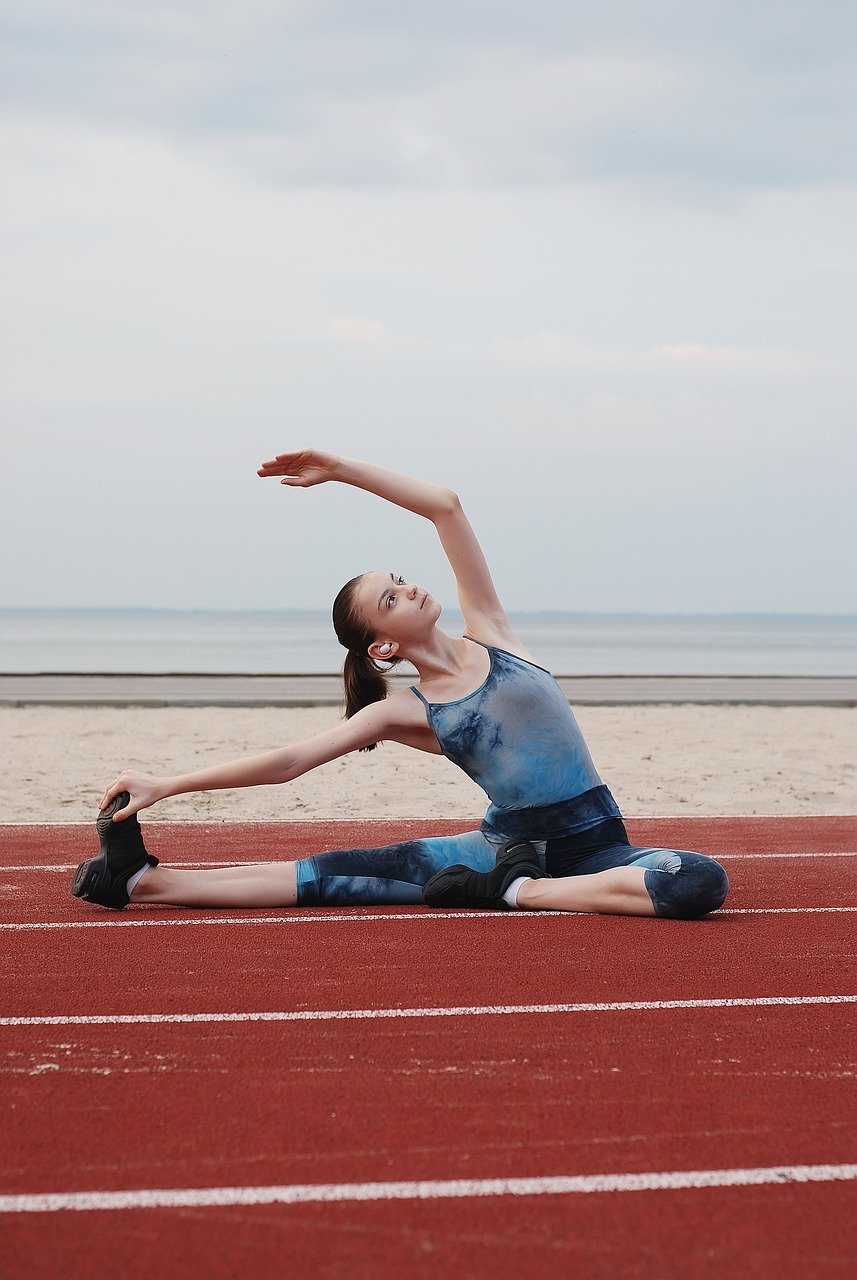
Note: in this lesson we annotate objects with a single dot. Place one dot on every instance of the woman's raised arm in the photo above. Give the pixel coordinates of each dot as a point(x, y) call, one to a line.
point(476, 592)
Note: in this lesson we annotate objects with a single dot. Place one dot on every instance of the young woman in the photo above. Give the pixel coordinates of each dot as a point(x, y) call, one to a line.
point(553, 837)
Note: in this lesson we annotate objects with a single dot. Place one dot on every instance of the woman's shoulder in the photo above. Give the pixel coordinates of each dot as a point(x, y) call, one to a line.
point(502, 638)
point(400, 707)
point(405, 721)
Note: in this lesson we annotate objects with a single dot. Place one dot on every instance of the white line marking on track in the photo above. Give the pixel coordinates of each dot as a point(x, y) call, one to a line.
point(463, 1011)
point(246, 862)
point(416, 916)
point(177, 866)
point(778, 911)
point(757, 857)
point(459, 1188)
point(328, 917)
point(386, 822)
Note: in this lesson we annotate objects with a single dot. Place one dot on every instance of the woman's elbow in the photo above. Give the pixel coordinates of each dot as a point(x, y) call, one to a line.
point(283, 767)
point(448, 502)
point(290, 772)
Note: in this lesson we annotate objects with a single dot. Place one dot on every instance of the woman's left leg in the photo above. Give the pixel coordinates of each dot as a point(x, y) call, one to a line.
point(618, 892)
point(624, 880)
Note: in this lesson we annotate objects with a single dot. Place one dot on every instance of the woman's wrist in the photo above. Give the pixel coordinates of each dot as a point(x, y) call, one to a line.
point(167, 787)
point(350, 471)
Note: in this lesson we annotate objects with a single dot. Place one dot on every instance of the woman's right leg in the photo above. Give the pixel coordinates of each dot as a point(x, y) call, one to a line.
point(390, 874)
point(393, 874)
point(263, 884)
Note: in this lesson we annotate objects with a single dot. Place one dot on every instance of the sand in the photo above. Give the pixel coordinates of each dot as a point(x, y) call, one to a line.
point(684, 759)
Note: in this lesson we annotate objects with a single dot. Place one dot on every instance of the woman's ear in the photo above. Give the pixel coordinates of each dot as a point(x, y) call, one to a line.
point(383, 650)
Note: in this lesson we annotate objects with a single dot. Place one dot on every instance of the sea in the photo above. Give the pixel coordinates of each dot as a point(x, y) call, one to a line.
point(302, 642)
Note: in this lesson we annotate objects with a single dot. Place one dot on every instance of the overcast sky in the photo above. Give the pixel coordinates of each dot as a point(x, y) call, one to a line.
point(593, 265)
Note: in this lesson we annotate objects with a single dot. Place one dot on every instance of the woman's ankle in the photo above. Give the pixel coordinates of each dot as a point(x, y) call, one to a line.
point(147, 885)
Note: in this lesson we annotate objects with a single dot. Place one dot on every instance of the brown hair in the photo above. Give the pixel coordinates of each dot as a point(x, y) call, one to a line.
point(365, 681)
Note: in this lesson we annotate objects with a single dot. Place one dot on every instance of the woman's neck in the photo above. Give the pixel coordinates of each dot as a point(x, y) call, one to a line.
point(442, 656)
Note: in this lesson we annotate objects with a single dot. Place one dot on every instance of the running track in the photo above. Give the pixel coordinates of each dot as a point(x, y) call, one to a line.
point(403, 1093)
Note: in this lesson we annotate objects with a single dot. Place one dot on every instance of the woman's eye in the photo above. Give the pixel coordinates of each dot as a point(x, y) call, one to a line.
point(390, 599)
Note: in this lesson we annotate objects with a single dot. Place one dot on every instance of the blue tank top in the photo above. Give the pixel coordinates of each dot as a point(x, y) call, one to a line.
point(517, 737)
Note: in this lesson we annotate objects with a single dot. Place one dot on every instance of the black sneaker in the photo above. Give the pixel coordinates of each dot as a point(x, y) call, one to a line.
point(461, 886)
point(104, 879)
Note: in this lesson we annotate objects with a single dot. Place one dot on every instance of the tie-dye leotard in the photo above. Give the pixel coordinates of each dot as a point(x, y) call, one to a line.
point(517, 737)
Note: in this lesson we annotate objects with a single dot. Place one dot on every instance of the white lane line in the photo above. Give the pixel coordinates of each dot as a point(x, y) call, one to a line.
point(455, 1011)
point(454, 1189)
point(415, 917)
point(472, 819)
point(327, 917)
point(757, 857)
point(254, 862)
point(778, 911)
point(195, 824)
point(175, 865)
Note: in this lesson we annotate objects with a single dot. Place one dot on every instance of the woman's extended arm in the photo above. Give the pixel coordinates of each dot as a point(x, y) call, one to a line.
point(306, 467)
point(476, 592)
point(393, 718)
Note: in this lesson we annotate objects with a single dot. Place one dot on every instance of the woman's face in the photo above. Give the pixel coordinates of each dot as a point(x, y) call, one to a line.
point(395, 610)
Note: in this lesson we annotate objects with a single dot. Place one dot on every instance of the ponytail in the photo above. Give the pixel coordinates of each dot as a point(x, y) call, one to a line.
point(365, 682)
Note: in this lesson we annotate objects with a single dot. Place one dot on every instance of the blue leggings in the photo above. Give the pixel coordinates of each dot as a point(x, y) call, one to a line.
point(681, 884)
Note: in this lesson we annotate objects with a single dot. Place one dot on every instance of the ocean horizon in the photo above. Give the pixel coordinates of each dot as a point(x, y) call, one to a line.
point(301, 642)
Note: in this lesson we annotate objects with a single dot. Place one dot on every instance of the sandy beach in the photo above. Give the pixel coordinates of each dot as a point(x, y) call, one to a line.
point(680, 759)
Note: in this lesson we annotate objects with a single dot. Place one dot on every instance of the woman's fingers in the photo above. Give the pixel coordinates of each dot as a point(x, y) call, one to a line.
point(301, 467)
point(136, 793)
point(289, 476)
point(286, 462)
point(122, 814)
point(112, 791)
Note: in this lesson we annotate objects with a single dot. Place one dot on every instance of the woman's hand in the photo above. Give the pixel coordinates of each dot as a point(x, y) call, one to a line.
point(302, 468)
point(143, 789)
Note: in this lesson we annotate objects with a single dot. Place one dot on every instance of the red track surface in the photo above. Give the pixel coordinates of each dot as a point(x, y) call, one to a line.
point(243, 1104)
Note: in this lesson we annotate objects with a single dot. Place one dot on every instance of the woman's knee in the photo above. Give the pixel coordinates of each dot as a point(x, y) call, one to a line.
point(697, 886)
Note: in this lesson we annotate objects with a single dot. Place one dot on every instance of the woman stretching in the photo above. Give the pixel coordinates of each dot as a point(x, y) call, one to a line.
point(553, 836)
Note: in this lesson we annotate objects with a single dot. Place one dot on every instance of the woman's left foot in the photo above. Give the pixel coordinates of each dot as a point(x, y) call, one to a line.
point(105, 879)
point(461, 886)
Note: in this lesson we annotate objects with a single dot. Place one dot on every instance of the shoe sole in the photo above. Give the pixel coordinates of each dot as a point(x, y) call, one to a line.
point(93, 876)
point(104, 821)
point(444, 882)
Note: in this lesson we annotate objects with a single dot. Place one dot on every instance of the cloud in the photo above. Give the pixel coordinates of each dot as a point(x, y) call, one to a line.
point(679, 363)
point(723, 97)
point(357, 331)
point(682, 361)
point(602, 253)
